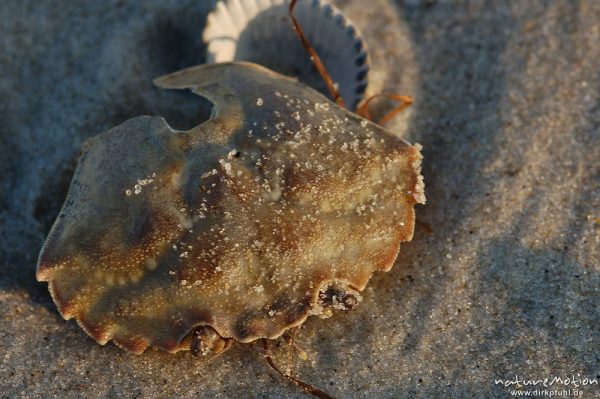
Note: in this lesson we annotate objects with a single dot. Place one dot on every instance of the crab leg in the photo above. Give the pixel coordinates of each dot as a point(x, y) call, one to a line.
point(300, 384)
point(314, 57)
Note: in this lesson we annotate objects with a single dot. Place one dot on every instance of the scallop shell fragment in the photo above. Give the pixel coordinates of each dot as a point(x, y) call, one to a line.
point(243, 223)
point(260, 31)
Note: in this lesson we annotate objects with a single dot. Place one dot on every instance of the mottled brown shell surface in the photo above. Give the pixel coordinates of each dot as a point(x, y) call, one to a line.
point(237, 223)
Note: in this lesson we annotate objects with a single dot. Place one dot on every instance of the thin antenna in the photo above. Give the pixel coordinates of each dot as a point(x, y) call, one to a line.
point(314, 57)
point(302, 385)
point(290, 338)
point(363, 109)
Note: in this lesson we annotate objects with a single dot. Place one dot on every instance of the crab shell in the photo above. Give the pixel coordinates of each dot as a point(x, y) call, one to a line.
point(238, 224)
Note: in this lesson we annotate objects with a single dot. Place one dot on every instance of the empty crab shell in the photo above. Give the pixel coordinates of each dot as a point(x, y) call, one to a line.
point(260, 31)
point(280, 206)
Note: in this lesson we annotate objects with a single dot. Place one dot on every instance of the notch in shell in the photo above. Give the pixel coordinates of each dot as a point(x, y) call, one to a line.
point(259, 31)
point(281, 206)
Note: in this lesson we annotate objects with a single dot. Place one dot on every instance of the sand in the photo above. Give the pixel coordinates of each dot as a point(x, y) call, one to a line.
point(506, 283)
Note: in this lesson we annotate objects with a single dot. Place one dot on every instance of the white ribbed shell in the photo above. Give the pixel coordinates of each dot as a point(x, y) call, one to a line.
point(260, 31)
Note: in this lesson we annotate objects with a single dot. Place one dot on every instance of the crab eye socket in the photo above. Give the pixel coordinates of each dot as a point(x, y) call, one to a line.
point(350, 301)
point(339, 297)
point(206, 341)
